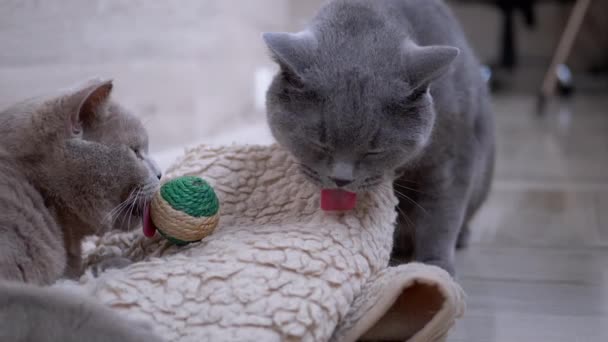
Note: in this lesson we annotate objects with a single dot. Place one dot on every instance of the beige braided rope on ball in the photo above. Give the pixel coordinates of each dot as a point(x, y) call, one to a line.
point(185, 210)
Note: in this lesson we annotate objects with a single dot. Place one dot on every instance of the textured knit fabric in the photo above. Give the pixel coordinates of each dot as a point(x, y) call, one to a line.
point(277, 268)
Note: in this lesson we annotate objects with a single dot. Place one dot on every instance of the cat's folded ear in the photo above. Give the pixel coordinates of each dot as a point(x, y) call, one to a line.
point(85, 101)
point(292, 51)
point(424, 64)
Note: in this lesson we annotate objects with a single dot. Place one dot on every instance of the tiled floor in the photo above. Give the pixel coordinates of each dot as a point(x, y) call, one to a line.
point(537, 269)
point(538, 266)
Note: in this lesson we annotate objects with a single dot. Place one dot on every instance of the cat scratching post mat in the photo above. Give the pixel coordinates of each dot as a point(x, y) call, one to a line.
point(277, 268)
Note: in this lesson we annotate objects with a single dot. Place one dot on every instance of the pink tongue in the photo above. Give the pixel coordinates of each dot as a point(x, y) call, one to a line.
point(149, 228)
point(337, 200)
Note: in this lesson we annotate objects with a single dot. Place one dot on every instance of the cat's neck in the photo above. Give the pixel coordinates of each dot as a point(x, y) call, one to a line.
point(72, 228)
point(74, 231)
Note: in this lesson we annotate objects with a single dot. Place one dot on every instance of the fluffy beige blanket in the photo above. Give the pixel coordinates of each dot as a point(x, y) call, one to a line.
point(277, 268)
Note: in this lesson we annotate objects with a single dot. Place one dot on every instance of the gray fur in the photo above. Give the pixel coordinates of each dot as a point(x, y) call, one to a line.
point(71, 164)
point(33, 314)
point(389, 89)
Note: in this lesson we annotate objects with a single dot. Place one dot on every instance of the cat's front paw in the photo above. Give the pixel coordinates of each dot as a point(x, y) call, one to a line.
point(115, 262)
point(142, 332)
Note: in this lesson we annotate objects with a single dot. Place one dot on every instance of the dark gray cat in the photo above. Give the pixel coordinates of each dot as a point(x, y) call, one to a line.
point(71, 165)
point(389, 89)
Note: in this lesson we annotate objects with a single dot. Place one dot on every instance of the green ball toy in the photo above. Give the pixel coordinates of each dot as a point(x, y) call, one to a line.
point(184, 210)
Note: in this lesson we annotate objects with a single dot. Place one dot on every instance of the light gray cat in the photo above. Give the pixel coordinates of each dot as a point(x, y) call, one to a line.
point(389, 89)
point(71, 165)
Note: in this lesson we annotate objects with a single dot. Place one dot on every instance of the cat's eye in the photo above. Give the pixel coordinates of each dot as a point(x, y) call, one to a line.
point(137, 152)
point(320, 147)
point(373, 153)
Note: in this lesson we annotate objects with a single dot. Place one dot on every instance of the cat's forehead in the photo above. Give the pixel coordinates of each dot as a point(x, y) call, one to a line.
point(120, 126)
point(361, 85)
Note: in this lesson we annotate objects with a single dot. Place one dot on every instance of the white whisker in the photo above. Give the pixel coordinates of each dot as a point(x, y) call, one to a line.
point(401, 186)
point(133, 203)
point(401, 194)
point(123, 210)
point(111, 216)
point(409, 222)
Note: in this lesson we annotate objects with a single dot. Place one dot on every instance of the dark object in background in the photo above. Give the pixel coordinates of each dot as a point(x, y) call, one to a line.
point(508, 49)
point(508, 56)
point(509, 9)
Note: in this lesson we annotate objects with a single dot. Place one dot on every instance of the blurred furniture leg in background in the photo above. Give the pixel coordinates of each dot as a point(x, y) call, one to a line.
point(508, 49)
point(562, 53)
point(508, 58)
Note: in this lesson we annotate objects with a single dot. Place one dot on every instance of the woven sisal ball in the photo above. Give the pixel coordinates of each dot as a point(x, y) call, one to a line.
point(185, 210)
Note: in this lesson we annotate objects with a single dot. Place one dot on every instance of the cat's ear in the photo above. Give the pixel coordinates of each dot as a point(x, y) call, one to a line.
point(424, 64)
point(85, 101)
point(292, 51)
